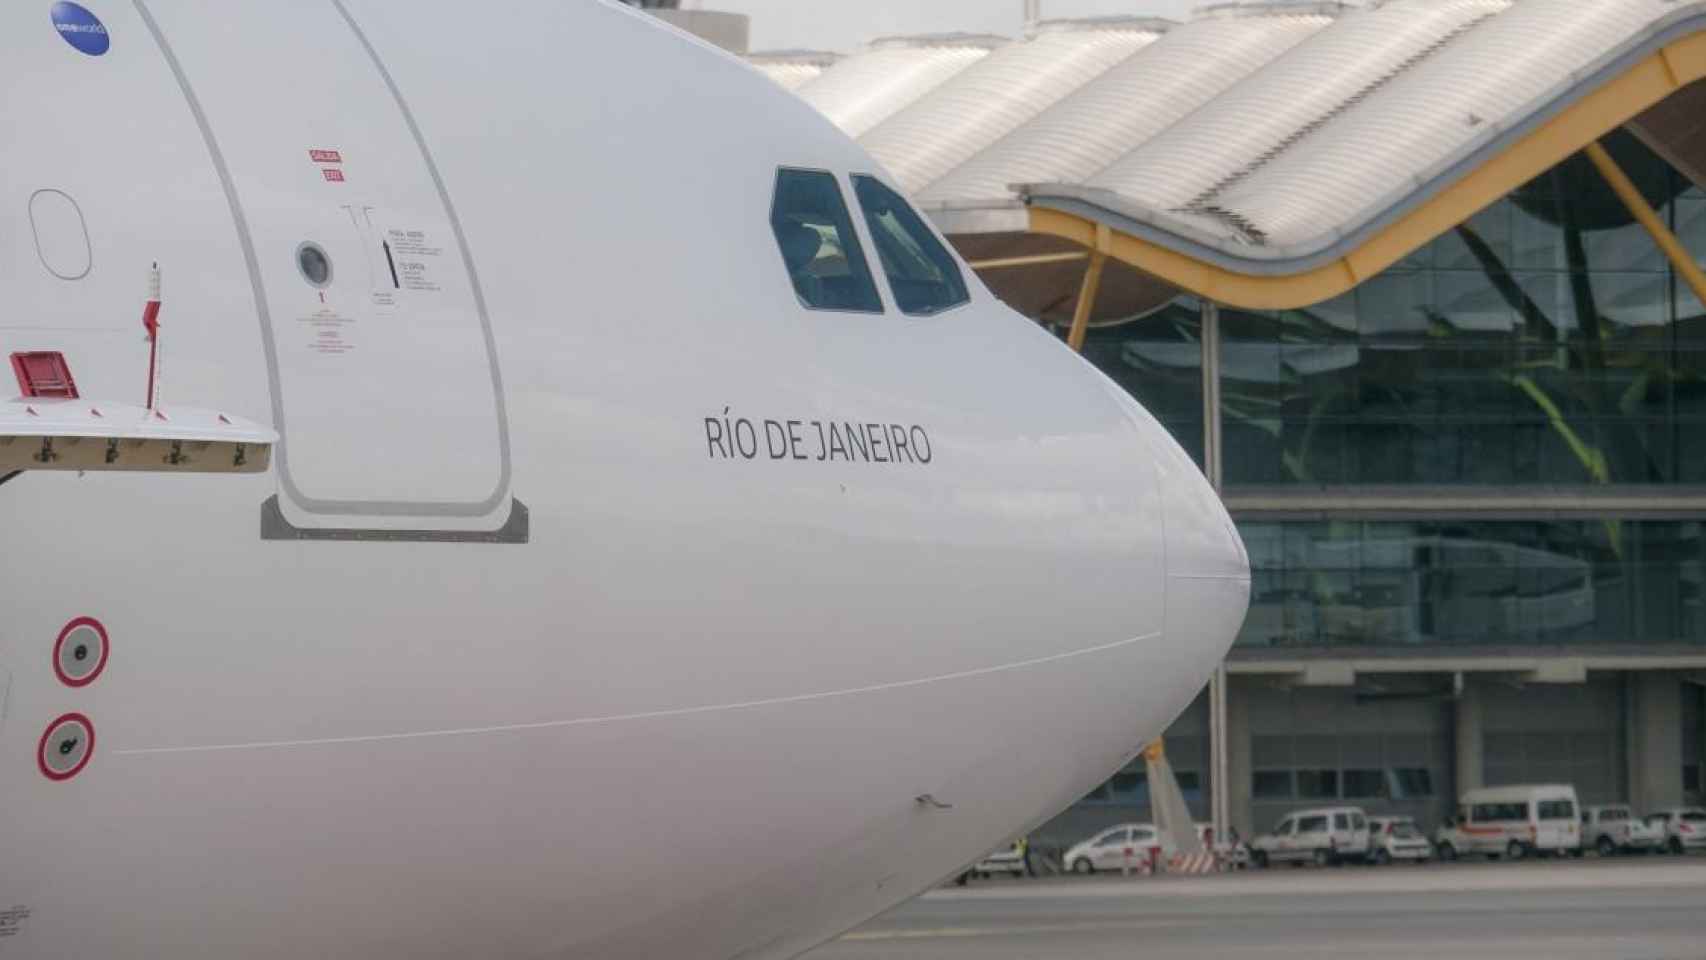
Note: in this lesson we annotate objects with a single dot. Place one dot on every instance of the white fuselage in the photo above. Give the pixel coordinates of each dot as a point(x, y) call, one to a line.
point(498, 660)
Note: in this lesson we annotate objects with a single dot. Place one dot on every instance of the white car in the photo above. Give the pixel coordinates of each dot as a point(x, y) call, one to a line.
point(1684, 827)
point(1009, 860)
point(1645, 834)
point(1613, 829)
point(1324, 837)
point(1397, 838)
point(1123, 847)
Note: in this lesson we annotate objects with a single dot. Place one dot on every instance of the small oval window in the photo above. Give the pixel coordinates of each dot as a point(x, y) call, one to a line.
point(922, 273)
point(314, 264)
point(62, 235)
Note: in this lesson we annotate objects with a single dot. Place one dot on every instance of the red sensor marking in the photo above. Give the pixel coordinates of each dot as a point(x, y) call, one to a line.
point(59, 652)
point(333, 176)
point(325, 156)
point(58, 743)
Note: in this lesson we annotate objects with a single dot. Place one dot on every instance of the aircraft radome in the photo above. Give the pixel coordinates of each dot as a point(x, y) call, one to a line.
point(562, 504)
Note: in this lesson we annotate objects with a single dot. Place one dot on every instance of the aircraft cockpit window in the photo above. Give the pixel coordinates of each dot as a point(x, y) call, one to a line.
point(922, 273)
point(819, 246)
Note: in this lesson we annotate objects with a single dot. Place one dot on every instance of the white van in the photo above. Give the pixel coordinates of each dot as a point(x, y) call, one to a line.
point(1323, 837)
point(1513, 822)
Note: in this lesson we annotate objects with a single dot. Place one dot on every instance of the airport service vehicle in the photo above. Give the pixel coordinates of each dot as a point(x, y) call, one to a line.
point(1009, 860)
point(1397, 838)
point(1512, 822)
point(1614, 829)
point(1324, 837)
point(1122, 847)
point(1684, 828)
point(526, 444)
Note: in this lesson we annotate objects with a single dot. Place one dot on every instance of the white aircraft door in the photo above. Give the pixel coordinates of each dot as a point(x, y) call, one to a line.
point(385, 382)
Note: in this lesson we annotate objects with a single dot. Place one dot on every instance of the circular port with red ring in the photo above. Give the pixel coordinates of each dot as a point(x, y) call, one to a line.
point(80, 653)
point(66, 747)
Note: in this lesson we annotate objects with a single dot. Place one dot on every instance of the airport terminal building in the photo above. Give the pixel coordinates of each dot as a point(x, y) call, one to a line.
point(1418, 283)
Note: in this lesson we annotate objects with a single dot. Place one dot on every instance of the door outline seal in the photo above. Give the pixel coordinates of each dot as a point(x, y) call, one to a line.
point(264, 314)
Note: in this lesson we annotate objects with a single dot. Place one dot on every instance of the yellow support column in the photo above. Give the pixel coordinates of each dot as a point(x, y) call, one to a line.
point(1087, 293)
point(1643, 212)
point(1035, 260)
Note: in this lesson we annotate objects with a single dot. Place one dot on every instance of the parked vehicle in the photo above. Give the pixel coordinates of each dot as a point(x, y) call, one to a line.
point(1397, 838)
point(1684, 828)
point(1009, 860)
point(1614, 828)
point(1324, 837)
point(1513, 822)
point(1127, 846)
point(1646, 836)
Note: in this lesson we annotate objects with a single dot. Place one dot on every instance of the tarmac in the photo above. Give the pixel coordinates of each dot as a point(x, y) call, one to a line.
point(1623, 909)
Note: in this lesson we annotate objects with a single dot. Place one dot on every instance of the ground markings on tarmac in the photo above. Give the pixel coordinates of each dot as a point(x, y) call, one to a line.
point(1593, 910)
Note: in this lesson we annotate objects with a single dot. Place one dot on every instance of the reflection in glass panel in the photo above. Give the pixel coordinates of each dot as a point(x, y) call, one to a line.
point(1484, 583)
point(1271, 785)
point(1545, 342)
point(1157, 358)
point(819, 247)
point(922, 273)
point(1411, 782)
point(1318, 784)
point(1364, 784)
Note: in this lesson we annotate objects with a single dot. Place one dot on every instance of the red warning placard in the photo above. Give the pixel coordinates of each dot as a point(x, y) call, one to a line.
point(325, 156)
point(334, 175)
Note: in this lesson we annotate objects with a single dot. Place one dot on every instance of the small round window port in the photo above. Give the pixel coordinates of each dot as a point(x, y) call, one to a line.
point(314, 265)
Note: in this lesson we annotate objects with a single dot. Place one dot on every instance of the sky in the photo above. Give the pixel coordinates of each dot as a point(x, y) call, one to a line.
point(842, 25)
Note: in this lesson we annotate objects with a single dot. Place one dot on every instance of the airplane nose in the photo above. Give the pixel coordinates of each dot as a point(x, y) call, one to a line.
point(1208, 570)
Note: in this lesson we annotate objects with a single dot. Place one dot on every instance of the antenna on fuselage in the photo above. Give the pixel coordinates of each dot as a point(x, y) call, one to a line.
point(50, 425)
point(151, 323)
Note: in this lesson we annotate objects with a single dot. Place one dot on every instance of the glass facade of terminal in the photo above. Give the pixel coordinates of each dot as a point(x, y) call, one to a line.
point(1547, 344)
point(1483, 582)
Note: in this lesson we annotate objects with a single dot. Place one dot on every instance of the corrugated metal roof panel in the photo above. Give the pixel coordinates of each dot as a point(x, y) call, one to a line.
point(791, 69)
point(1131, 102)
point(867, 88)
point(977, 107)
point(1367, 159)
point(1280, 106)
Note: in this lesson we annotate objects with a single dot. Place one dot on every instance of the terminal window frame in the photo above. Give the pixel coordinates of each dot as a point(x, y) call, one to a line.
point(1271, 785)
point(924, 278)
point(1363, 783)
point(1280, 784)
point(834, 276)
point(1318, 783)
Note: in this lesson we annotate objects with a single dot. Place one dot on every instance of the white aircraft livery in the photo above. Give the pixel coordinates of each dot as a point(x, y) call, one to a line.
point(559, 501)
